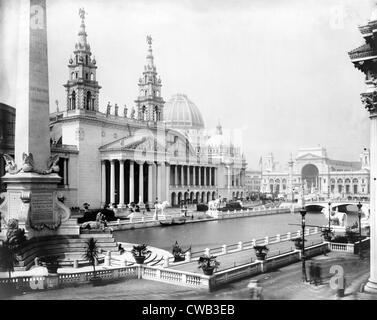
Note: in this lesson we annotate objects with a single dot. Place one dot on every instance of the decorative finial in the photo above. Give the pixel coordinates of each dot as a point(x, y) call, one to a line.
point(82, 13)
point(149, 40)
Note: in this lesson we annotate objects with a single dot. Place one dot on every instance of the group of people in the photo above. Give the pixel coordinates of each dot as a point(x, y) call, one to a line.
point(315, 273)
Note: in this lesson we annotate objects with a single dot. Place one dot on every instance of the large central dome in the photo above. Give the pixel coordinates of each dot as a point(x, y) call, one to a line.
point(181, 112)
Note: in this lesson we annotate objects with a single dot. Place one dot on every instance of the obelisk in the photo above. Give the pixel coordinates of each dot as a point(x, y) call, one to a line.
point(32, 102)
point(32, 177)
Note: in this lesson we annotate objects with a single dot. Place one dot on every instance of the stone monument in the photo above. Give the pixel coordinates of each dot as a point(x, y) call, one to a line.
point(32, 177)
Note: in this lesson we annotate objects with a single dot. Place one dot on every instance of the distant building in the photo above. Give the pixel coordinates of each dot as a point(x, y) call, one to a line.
point(252, 181)
point(7, 128)
point(313, 171)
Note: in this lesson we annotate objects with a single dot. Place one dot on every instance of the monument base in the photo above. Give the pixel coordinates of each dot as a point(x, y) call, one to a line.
point(32, 199)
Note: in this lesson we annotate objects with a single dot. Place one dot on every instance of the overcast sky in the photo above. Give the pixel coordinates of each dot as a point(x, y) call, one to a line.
point(278, 70)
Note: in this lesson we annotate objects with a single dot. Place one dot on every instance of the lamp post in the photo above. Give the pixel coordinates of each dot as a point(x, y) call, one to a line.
point(359, 205)
point(303, 213)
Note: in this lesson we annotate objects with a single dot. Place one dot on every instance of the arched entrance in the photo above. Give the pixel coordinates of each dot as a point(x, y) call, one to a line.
point(213, 195)
point(309, 176)
point(179, 198)
point(173, 199)
point(208, 196)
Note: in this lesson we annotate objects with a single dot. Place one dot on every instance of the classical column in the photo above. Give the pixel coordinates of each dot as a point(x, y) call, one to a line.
point(121, 183)
point(194, 175)
point(141, 182)
point(229, 177)
point(188, 175)
point(112, 182)
point(176, 175)
point(215, 176)
point(65, 163)
point(103, 182)
point(150, 183)
point(167, 179)
point(210, 176)
point(159, 178)
point(182, 176)
point(131, 189)
point(200, 175)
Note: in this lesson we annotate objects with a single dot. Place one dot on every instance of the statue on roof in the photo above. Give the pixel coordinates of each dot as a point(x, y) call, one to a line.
point(108, 108)
point(125, 111)
point(149, 39)
point(82, 13)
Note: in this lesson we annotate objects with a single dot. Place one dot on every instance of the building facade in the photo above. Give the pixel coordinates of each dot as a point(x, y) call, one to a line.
point(314, 172)
point(253, 181)
point(155, 150)
point(7, 129)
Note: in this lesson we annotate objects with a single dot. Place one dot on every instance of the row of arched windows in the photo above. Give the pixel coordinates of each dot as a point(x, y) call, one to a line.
point(89, 101)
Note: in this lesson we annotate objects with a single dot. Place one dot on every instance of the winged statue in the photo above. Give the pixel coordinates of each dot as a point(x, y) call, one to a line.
point(10, 164)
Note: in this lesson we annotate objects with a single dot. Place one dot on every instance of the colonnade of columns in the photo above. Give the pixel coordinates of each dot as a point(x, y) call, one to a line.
point(127, 181)
point(235, 177)
point(188, 175)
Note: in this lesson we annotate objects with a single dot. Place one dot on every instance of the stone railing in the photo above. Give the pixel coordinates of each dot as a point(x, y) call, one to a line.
point(349, 247)
point(187, 279)
point(173, 276)
point(246, 245)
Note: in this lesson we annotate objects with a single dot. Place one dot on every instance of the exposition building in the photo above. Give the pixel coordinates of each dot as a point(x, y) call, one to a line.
point(154, 150)
point(313, 171)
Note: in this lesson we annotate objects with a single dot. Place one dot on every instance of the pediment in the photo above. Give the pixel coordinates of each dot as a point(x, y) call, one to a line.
point(309, 156)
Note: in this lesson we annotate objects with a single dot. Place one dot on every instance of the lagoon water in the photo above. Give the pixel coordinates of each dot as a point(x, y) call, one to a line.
point(215, 233)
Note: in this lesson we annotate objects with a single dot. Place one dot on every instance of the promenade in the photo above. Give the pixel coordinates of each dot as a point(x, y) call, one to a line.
point(284, 283)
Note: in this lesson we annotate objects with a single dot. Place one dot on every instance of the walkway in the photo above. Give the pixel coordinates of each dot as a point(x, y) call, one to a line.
point(285, 284)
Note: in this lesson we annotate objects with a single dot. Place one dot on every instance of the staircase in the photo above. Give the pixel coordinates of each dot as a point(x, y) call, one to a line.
point(68, 248)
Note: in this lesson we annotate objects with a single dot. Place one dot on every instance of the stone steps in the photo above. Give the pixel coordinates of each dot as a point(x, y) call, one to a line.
point(64, 246)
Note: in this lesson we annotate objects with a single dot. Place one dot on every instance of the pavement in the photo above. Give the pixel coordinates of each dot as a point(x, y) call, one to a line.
point(283, 284)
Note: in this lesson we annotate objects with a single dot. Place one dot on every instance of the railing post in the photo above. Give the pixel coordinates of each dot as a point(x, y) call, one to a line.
point(240, 245)
point(166, 262)
point(142, 219)
point(207, 251)
point(266, 240)
point(36, 261)
point(118, 221)
point(278, 238)
point(254, 242)
point(139, 271)
point(188, 256)
point(108, 259)
point(184, 277)
point(289, 236)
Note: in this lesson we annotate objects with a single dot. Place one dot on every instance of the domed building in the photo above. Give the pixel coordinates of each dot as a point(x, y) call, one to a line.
point(181, 113)
point(154, 151)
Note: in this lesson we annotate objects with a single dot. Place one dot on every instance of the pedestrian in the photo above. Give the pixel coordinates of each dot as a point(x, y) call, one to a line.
point(255, 290)
point(311, 273)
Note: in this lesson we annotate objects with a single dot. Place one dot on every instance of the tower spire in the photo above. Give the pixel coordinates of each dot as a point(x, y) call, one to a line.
point(149, 102)
point(82, 44)
point(150, 64)
point(82, 86)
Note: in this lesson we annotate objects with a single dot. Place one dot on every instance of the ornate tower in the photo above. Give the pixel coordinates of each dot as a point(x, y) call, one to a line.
point(82, 87)
point(364, 59)
point(149, 102)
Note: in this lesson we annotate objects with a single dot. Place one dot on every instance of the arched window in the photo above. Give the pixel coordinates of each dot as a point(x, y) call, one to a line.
point(88, 100)
point(146, 92)
point(72, 75)
point(77, 75)
point(77, 59)
point(73, 101)
point(86, 60)
point(92, 77)
point(86, 76)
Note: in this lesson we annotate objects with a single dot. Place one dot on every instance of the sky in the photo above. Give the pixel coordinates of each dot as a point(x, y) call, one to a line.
point(276, 70)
